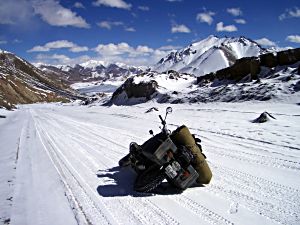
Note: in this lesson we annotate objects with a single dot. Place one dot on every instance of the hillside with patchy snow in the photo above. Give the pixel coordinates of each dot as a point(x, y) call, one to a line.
point(208, 55)
point(21, 83)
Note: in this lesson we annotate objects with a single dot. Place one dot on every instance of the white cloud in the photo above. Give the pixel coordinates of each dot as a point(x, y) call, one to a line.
point(230, 28)
point(290, 13)
point(235, 11)
point(180, 29)
point(59, 45)
point(56, 15)
point(79, 5)
point(109, 24)
point(240, 21)
point(123, 52)
point(265, 42)
point(3, 42)
point(174, 0)
point(15, 12)
point(144, 8)
point(206, 17)
point(59, 59)
point(113, 3)
point(293, 38)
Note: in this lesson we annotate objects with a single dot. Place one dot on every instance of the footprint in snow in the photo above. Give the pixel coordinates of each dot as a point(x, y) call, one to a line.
point(233, 208)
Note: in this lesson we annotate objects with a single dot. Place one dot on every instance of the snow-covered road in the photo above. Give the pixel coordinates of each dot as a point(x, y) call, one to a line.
point(59, 165)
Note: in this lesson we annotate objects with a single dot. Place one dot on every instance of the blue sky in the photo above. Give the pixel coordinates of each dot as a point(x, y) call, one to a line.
point(138, 32)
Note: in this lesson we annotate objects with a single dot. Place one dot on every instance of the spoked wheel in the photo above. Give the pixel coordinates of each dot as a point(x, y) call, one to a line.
point(149, 179)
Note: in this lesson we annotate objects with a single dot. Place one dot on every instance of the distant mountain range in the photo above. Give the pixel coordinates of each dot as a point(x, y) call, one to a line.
point(91, 71)
point(209, 55)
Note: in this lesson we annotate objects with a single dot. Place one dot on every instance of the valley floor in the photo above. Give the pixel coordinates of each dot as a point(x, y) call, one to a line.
point(59, 165)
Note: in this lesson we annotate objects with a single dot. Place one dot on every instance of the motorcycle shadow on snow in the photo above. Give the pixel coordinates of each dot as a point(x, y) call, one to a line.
point(119, 182)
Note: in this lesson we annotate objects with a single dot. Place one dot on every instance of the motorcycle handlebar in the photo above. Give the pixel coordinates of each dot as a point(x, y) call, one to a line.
point(162, 121)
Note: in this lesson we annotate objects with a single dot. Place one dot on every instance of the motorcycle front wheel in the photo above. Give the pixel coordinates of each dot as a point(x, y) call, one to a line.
point(149, 179)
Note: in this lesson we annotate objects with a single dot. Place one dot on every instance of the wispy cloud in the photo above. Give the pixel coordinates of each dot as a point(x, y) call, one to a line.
point(205, 17)
point(293, 38)
point(3, 42)
point(229, 28)
point(79, 5)
point(110, 24)
point(56, 15)
point(265, 42)
point(235, 11)
point(59, 45)
point(144, 8)
point(290, 13)
point(14, 13)
point(174, 0)
point(130, 29)
point(170, 47)
point(113, 3)
point(180, 29)
point(240, 21)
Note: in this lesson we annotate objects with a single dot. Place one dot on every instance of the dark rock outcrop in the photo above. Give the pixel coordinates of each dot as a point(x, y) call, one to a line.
point(264, 117)
point(288, 57)
point(133, 90)
point(251, 66)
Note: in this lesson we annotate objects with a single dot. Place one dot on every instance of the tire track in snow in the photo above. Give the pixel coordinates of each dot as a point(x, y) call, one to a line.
point(201, 211)
point(150, 217)
point(78, 192)
point(277, 202)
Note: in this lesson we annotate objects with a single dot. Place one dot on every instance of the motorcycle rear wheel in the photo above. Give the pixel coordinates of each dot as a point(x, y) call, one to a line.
point(149, 179)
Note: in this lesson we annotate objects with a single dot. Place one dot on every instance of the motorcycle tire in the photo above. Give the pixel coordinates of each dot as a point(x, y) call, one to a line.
point(125, 161)
point(149, 179)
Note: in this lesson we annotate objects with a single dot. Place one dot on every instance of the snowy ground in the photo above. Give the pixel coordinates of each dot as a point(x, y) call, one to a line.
point(58, 165)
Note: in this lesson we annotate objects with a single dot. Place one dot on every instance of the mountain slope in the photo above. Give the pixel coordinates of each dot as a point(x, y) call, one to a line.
point(21, 82)
point(209, 55)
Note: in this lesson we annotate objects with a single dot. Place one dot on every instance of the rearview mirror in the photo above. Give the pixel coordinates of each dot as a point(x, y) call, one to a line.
point(169, 110)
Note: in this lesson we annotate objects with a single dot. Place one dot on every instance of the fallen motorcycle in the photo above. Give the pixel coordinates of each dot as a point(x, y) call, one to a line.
point(175, 156)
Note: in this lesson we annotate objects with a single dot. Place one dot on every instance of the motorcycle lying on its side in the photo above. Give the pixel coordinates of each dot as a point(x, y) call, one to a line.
point(175, 156)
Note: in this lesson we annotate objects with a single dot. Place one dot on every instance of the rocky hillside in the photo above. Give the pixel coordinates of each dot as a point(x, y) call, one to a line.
point(21, 82)
point(91, 71)
point(269, 76)
point(209, 55)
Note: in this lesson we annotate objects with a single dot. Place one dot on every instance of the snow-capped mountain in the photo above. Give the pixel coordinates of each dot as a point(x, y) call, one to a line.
point(92, 70)
point(209, 55)
point(269, 76)
point(21, 83)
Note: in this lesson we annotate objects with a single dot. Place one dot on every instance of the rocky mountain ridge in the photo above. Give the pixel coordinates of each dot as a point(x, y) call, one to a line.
point(21, 82)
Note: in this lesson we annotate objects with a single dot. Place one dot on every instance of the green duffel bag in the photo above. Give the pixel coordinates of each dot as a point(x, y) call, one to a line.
point(182, 136)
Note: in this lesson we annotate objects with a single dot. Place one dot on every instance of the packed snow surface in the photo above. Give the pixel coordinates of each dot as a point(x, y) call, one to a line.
point(59, 165)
